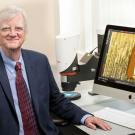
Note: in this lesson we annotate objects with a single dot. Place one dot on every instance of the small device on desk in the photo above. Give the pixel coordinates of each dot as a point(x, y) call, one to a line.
point(115, 74)
point(70, 71)
point(70, 78)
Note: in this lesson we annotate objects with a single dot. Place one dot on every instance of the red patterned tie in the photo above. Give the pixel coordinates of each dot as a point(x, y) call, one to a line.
point(28, 117)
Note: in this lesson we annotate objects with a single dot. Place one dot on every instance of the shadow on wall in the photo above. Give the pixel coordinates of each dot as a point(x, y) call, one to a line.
point(41, 28)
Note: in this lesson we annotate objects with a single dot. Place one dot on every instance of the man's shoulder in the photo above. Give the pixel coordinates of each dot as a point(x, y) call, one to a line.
point(34, 57)
point(32, 53)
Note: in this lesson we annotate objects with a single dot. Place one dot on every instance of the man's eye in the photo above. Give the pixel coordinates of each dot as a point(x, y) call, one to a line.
point(5, 29)
point(19, 28)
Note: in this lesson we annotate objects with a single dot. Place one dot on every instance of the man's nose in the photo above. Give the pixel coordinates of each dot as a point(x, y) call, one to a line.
point(12, 32)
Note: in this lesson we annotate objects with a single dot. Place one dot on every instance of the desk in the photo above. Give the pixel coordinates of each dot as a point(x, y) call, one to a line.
point(94, 103)
point(116, 129)
point(86, 99)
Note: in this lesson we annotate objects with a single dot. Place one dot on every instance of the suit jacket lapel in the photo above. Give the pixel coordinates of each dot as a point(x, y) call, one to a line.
point(5, 84)
point(31, 74)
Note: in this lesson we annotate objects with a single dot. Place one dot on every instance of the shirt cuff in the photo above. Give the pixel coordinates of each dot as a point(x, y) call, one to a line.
point(85, 117)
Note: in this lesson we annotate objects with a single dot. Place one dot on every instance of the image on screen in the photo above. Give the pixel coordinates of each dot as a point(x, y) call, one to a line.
point(118, 60)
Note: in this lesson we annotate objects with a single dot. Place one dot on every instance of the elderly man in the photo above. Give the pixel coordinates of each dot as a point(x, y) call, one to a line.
point(27, 88)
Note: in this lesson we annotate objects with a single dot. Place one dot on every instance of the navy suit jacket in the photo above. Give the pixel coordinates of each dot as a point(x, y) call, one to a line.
point(44, 93)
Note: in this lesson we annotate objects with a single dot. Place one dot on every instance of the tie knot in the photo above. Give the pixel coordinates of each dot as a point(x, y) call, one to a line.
point(18, 66)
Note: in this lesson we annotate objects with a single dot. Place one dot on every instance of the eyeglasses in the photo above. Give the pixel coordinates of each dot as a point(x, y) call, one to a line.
point(9, 29)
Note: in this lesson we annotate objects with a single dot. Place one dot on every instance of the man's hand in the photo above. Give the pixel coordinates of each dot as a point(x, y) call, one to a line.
point(92, 122)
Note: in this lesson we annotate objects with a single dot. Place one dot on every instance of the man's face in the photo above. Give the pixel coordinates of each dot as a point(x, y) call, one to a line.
point(12, 33)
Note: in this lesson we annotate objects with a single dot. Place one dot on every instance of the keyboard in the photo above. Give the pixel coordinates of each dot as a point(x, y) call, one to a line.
point(116, 116)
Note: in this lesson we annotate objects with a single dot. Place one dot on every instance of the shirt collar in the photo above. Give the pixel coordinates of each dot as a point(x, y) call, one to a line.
point(9, 62)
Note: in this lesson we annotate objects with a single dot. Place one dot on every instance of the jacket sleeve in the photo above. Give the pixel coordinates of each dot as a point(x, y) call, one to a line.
point(61, 105)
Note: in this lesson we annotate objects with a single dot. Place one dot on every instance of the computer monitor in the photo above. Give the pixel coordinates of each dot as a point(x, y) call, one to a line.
point(115, 75)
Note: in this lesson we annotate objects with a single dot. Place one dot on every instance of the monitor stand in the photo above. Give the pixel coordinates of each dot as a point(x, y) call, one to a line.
point(92, 94)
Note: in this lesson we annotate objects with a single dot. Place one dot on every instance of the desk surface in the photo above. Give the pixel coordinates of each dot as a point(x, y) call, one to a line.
point(94, 103)
point(116, 129)
point(86, 99)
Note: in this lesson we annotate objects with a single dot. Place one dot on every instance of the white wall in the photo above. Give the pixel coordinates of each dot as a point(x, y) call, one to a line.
point(70, 19)
point(69, 12)
point(118, 12)
point(99, 13)
point(41, 25)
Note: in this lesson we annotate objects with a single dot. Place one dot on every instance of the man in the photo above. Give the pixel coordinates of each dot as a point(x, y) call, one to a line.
point(28, 91)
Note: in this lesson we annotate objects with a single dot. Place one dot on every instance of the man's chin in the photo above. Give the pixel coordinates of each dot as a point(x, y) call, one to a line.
point(14, 48)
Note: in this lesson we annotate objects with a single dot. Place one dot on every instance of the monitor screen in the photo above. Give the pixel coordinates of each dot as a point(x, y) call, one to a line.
point(115, 75)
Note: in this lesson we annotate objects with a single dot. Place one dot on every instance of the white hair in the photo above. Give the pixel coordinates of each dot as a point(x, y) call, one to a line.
point(10, 12)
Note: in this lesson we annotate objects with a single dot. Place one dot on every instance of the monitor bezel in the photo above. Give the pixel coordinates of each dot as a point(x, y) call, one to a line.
point(109, 83)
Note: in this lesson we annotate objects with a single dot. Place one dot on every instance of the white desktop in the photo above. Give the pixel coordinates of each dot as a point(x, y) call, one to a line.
point(96, 103)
